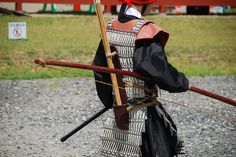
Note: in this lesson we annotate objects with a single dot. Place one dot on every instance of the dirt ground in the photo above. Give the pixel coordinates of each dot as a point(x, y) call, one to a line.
point(35, 114)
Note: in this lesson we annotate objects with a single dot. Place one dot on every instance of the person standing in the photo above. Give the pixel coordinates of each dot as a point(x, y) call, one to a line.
point(139, 46)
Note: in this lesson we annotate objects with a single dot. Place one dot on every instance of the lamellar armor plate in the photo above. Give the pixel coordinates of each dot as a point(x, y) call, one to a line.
point(116, 142)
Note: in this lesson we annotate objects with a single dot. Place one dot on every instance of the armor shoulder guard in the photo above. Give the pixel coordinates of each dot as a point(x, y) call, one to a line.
point(151, 30)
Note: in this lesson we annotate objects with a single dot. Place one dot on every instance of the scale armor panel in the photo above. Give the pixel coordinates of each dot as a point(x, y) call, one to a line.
point(123, 143)
point(124, 43)
point(116, 142)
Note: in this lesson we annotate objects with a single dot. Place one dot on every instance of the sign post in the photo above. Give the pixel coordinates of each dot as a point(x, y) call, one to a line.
point(17, 30)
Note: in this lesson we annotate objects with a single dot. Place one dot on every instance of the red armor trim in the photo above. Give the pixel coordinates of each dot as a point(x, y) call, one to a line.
point(148, 31)
point(151, 30)
point(125, 27)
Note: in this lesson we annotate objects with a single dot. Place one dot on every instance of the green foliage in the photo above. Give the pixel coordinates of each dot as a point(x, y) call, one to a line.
point(198, 45)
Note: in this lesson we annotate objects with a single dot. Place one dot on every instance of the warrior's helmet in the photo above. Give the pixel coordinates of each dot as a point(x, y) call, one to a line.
point(139, 2)
point(129, 2)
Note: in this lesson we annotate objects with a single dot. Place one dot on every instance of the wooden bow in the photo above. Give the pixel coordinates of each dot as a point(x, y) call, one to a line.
point(132, 74)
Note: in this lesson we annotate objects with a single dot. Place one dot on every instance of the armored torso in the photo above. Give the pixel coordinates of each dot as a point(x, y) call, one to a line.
point(116, 142)
point(127, 143)
point(123, 40)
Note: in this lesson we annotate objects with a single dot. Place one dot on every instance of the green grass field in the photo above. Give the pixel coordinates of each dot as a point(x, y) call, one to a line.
point(198, 46)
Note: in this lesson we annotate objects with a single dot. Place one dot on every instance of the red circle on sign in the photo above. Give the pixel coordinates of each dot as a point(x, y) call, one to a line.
point(17, 32)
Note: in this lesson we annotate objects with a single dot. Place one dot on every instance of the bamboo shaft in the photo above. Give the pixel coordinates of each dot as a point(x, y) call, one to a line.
point(108, 51)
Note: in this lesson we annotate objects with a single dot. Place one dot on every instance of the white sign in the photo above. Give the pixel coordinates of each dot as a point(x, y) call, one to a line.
point(17, 30)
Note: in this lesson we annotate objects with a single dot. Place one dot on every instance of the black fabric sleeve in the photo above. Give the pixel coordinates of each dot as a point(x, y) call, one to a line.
point(104, 91)
point(150, 60)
